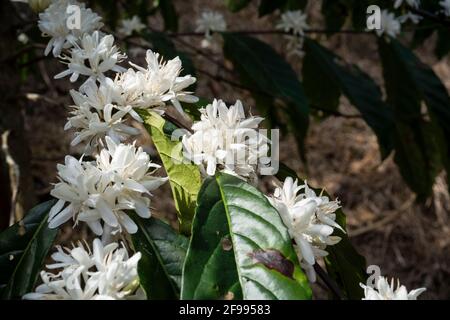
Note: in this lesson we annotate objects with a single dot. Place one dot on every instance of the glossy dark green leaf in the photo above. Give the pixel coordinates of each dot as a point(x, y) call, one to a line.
point(163, 252)
point(240, 245)
point(419, 143)
point(236, 5)
point(270, 74)
point(344, 264)
point(185, 179)
point(316, 77)
point(356, 85)
point(23, 249)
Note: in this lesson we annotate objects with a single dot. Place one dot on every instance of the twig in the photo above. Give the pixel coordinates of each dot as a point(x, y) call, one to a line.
point(431, 16)
point(203, 54)
point(14, 176)
point(328, 281)
point(268, 32)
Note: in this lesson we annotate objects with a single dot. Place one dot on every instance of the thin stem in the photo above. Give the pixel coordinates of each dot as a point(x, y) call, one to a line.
point(243, 87)
point(328, 282)
point(438, 18)
point(203, 54)
point(227, 81)
point(257, 32)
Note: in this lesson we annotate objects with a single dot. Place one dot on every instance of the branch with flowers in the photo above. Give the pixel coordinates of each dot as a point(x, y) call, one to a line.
point(233, 241)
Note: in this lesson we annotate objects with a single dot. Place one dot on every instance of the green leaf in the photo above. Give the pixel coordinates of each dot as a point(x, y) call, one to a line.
point(163, 252)
point(239, 244)
point(420, 147)
point(23, 249)
point(236, 5)
point(316, 77)
point(356, 85)
point(270, 74)
point(169, 15)
point(185, 179)
point(344, 264)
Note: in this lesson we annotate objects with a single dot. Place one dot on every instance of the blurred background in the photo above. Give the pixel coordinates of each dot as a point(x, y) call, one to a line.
point(409, 240)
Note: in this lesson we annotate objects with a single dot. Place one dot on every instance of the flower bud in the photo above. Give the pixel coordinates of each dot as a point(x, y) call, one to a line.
point(39, 5)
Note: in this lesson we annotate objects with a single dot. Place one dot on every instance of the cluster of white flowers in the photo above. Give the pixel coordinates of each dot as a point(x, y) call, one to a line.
point(120, 179)
point(294, 22)
point(155, 85)
point(104, 109)
point(384, 291)
point(93, 57)
point(227, 140)
point(209, 23)
point(445, 5)
point(53, 23)
point(310, 220)
point(106, 273)
point(129, 26)
point(96, 115)
point(101, 192)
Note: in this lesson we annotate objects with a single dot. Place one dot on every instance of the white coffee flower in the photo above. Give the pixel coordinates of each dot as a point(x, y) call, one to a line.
point(95, 55)
point(106, 273)
point(390, 25)
point(23, 38)
point(310, 220)
point(445, 5)
point(294, 45)
point(95, 115)
point(294, 21)
point(414, 18)
point(226, 140)
point(411, 3)
point(120, 179)
point(155, 85)
point(211, 21)
point(128, 26)
point(384, 291)
point(53, 23)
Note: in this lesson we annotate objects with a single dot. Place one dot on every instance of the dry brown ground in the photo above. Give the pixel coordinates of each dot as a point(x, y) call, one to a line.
point(407, 240)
